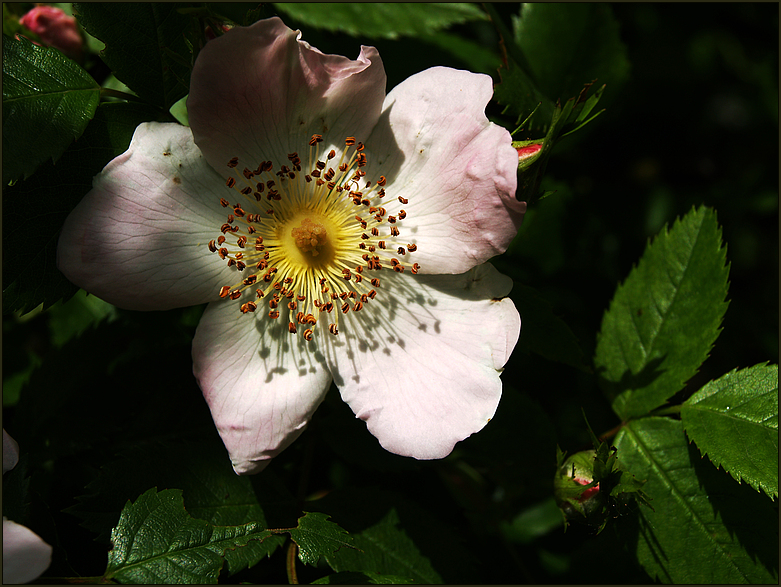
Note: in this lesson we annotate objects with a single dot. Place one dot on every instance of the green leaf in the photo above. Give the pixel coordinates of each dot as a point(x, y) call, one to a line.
point(569, 44)
point(665, 317)
point(48, 101)
point(316, 537)
point(734, 420)
point(156, 541)
point(148, 46)
point(387, 20)
point(704, 527)
point(30, 276)
point(212, 492)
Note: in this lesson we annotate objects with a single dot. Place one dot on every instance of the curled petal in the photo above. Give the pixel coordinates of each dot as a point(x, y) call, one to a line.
point(423, 372)
point(262, 383)
point(25, 554)
point(458, 170)
point(139, 238)
point(260, 92)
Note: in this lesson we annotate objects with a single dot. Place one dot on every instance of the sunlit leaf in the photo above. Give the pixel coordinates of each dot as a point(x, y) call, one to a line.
point(388, 20)
point(734, 420)
point(317, 536)
point(704, 527)
point(48, 100)
point(569, 44)
point(665, 317)
point(156, 541)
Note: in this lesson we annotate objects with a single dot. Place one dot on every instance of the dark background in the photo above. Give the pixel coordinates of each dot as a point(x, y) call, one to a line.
point(696, 123)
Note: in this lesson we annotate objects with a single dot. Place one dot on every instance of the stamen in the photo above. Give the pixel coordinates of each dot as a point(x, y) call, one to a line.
point(306, 246)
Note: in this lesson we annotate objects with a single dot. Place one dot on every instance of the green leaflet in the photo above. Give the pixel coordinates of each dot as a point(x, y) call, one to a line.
point(149, 46)
point(554, 51)
point(316, 536)
point(704, 527)
point(156, 541)
point(45, 94)
point(570, 44)
point(212, 491)
point(388, 20)
point(734, 420)
point(665, 317)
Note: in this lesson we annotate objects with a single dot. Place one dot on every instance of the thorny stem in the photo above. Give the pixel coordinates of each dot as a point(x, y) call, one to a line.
point(292, 576)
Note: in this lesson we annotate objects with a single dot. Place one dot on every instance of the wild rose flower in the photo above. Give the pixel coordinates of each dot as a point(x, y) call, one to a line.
point(55, 28)
point(339, 234)
point(25, 554)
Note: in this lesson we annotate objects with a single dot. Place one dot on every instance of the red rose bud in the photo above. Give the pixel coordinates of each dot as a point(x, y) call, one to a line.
point(528, 151)
point(578, 504)
point(55, 29)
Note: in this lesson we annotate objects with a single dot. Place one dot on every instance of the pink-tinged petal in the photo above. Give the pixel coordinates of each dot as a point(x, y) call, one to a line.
point(260, 92)
point(458, 170)
point(421, 362)
point(139, 239)
point(25, 555)
point(262, 383)
point(10, 452)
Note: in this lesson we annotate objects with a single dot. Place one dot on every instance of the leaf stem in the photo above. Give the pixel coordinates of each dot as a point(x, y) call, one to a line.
point(292, 576)
point(669, 410)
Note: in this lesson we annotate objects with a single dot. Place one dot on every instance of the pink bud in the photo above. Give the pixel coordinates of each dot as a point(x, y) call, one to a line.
point(588, 493)
point(210, 35)
point(528, 151)
point(55, 29)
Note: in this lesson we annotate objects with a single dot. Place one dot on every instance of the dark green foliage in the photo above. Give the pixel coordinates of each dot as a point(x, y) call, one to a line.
point(620, 258)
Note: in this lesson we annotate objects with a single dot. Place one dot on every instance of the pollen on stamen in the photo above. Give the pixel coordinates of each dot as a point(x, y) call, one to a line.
point(304, 249)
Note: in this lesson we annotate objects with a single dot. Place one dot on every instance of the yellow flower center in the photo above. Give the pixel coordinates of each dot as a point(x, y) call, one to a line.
point(300, 244)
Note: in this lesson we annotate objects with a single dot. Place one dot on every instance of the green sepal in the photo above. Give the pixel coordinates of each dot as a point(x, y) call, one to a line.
point(734, 421)
point(565, 119)
point(593, 487)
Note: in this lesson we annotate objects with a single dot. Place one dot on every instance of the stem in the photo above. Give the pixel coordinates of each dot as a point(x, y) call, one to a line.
point(610, 433)
point(292, 576)
point(507, 38)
